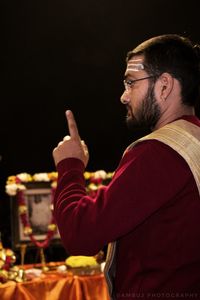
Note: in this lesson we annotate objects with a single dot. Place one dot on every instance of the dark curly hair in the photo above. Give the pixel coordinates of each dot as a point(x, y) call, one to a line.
point(176, 55)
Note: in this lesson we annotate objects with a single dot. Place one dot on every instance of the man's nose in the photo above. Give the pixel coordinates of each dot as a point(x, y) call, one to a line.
point(125, 98)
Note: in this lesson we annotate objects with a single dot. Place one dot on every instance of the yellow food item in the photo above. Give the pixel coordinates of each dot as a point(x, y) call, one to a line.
point(81, 261)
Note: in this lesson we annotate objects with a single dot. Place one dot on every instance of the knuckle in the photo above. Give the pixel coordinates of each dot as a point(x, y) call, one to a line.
point(66, 138)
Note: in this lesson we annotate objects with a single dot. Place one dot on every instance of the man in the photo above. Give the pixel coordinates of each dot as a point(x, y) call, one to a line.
point(150, 213)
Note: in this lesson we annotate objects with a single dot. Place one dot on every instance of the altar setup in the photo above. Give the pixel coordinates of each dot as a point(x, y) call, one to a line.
point(33, 225)
point(56, 283)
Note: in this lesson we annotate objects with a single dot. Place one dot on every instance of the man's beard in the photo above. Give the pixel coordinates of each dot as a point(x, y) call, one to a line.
point(147, 114)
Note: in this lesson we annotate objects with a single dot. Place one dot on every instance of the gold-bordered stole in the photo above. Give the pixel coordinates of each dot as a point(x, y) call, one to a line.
point(184, 138)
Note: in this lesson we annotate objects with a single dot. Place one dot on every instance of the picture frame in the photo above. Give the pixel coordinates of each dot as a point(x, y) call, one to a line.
point(38, 199)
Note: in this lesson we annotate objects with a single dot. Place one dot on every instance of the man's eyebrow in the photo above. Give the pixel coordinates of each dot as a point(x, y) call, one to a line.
point(127, 75)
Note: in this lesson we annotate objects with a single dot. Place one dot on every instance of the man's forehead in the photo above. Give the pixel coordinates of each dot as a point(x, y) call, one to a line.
point(135, 64)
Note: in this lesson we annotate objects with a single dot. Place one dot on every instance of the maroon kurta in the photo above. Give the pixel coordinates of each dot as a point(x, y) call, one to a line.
point(151, 207)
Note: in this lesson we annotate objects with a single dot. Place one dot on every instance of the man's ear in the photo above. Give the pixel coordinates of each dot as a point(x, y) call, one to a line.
point(166, 85)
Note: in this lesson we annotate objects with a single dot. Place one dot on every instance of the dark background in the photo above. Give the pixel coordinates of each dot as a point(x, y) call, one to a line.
point(71, 54)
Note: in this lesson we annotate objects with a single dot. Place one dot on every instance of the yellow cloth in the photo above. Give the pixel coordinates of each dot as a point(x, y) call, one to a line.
point(7, 290)
point(55, 286)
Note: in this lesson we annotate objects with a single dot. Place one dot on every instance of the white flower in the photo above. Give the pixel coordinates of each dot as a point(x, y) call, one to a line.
point(24, 177)
point(11, 189)
point(54, 184)
point(100, 174)
point(41, 177)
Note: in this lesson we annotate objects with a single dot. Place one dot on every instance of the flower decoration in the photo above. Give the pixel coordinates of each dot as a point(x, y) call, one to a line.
point(7, 260)
point(16, 185)
point(94, 180)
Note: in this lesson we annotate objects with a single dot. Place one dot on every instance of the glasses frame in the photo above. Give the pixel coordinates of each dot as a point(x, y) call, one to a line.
point(128, 83)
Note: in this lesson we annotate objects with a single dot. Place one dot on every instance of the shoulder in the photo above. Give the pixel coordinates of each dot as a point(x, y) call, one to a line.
point(155, 156)
point(154, 167)
point(150, 148)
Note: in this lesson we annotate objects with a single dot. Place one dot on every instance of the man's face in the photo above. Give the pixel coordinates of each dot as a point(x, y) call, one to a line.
point(142, 106)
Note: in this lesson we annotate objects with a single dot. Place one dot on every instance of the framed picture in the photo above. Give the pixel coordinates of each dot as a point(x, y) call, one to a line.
point(38, 201)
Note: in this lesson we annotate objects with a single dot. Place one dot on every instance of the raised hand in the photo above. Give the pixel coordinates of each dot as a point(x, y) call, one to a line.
point(71, 145)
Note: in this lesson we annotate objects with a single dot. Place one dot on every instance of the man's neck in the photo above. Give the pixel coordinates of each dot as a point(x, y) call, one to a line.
point(166, 119)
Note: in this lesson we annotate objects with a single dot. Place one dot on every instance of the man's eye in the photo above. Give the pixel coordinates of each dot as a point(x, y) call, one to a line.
point(129, 82)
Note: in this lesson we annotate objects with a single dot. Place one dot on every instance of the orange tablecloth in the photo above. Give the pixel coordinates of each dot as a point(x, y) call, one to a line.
point(55, 286)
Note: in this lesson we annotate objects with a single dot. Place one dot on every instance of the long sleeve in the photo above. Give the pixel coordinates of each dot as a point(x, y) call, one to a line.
point(87, 224)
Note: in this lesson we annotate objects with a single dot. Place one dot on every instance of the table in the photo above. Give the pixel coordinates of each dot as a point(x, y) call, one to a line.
point(57, 286)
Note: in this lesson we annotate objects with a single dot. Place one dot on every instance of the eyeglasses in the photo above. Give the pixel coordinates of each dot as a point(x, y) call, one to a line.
point(128, 83)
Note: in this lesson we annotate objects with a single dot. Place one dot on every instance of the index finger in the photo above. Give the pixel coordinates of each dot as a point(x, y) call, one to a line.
point(73, 129)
